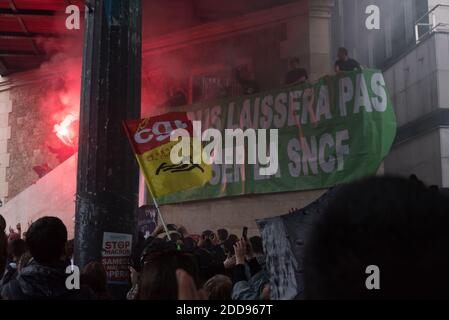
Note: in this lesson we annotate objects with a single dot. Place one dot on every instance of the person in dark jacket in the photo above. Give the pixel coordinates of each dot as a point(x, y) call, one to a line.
point(345, 63)
point(44, 278)
point(296, 75)
point(246, 80)
point(16, 249)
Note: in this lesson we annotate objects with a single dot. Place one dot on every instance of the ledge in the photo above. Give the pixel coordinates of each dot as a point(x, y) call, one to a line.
point(434, 120)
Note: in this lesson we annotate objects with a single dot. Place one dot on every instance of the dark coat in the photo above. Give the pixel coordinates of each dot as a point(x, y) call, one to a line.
point(10, 273)
point(39, 282)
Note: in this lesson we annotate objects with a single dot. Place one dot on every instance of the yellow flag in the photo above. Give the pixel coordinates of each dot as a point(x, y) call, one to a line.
point(150, 139)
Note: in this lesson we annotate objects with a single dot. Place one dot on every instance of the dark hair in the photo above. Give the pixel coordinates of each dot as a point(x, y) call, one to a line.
point(343, 50)
point(219, 287)
point(46, 239)
point(233, 237)
point(16, 248)
point(228, 246)
point(210, 262)
point(94, 276)
point(175, 236)
point(256, 243)
point(2, 223)
point(396, 224)
point(222, 234)
point(158, 277)
point(207, 236)
point(189, 244)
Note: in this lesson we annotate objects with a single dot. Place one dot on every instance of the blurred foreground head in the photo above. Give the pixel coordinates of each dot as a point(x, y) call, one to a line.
point(219, 287)
point(396, 224)
point(158, 277)
point(95, 277)
point(46, 239)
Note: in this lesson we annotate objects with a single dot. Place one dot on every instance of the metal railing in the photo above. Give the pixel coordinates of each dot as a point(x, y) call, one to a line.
point(435, 20)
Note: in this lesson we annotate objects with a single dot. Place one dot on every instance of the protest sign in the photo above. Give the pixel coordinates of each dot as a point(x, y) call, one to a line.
point(116, 251)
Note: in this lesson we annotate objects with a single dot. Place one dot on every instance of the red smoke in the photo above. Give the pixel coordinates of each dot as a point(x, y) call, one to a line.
point(62, 102)
point(60, 106)
point(66, 130)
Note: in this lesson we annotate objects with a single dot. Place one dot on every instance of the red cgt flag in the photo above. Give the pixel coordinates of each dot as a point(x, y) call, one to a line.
point(150, 140)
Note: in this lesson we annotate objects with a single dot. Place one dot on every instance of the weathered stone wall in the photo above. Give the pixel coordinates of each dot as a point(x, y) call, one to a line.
point(28, 103)
point(5, 133)
point(31, 133)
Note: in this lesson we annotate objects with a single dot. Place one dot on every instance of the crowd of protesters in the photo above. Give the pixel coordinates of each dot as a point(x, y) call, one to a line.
point(225, 266)
point(397, 224)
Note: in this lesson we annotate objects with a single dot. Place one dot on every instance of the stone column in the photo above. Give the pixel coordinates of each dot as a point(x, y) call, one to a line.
point(320, 55)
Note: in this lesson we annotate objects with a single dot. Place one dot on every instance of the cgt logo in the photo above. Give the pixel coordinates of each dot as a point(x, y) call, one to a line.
point(160, 131)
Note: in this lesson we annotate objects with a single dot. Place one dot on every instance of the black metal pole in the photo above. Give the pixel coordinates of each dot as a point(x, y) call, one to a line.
point(107, 180)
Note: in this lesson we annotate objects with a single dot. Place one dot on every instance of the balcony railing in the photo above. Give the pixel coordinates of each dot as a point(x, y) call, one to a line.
point(435, 20)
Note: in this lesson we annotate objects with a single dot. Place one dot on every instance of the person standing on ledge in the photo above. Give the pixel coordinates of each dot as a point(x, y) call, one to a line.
point(296, 75)
point(344, 63)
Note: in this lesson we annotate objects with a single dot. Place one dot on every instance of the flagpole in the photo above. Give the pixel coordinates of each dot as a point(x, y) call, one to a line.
point(160, 214)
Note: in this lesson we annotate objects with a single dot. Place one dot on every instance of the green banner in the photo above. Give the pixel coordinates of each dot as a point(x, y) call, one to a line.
point(334, 131)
